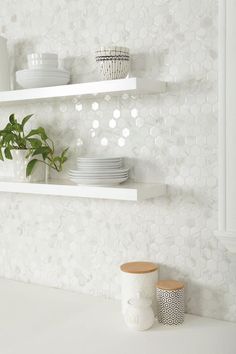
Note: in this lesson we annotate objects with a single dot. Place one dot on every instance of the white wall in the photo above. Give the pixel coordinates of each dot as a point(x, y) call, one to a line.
point(79, 244)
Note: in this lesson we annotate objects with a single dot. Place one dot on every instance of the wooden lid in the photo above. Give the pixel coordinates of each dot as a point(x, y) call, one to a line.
point(138, 267)
point(170, 285)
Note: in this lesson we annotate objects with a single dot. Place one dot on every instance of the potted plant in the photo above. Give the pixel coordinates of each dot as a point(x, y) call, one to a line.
point(28, 150)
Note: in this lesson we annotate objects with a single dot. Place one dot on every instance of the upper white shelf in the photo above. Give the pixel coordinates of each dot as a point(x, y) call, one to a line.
point(129, 191)
point(113, 87)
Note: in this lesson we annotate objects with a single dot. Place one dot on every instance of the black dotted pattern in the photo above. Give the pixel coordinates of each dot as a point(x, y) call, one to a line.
point(170, 306)
point(112, 57)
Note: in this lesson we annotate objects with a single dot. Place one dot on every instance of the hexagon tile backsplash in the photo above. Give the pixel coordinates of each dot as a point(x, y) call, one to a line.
point(79, 243)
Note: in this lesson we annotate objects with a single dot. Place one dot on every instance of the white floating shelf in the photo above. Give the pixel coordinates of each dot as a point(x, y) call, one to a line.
point(125, 191)
point(113, 87)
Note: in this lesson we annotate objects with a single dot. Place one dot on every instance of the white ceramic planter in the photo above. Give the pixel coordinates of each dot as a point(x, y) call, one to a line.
point(138, 278)
point(17, 168)
point(4, 66)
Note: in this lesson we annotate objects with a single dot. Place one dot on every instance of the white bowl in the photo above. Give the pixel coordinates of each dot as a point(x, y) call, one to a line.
point(41, 82)
point(42, 64)
point(42, 61)
point(42, 78)
point(43, 56)
point(31, 73)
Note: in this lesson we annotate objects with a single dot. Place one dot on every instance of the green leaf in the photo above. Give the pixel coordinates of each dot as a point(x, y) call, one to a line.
point(35, 143)
point(8, 128)
point(25, 119)
point(64, 152)
point(42, 133)
point(64, 159)
point(39, 131)
point(43, 150)
point(12, 119)
point(57, 159)
point(7, 138)
point(29, 153)
point(30, 167)
point(17, 127)
point(32, 132)
point(7, 153)
point(1, 155)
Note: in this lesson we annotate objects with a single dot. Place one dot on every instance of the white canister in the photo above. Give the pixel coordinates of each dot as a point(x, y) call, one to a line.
point(139, 314)
point(4, 66)
point(138, 278)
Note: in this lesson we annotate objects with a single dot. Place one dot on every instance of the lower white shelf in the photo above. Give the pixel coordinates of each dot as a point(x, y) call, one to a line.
point(126, 191)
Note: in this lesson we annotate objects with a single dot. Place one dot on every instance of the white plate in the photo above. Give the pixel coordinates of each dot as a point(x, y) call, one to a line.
point(99, 175)
point(85, 158)
point(99, 182)
point(81, 175)
point(114, 171)
point(95, 159)
point(99, 162)
point(98, 178)
point(103, 165)
point(98, 168)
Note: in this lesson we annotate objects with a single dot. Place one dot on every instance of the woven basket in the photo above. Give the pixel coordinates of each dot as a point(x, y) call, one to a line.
point(113, 62)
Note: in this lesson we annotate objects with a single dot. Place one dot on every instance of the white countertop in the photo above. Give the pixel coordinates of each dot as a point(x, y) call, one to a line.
point(40, 320)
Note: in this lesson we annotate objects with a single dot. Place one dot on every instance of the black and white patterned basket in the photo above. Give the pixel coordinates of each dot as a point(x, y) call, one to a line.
point(113, 62)
point(170, 304)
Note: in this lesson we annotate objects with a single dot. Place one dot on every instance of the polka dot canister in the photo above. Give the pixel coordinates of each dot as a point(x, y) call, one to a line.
point(170, 302)
point(138, 279)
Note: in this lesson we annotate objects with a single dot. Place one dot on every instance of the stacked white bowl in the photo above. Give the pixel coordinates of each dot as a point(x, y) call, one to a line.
point(99, 171)
point(43, 72)
point(114, 62)
point(42, 61)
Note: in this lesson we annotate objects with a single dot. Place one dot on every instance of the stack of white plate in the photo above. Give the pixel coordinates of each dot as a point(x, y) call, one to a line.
point(99, 171)
point(43, 72)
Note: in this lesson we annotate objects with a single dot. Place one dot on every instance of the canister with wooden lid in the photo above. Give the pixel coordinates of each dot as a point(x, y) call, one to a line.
point(170, 302)
point(138, 279)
